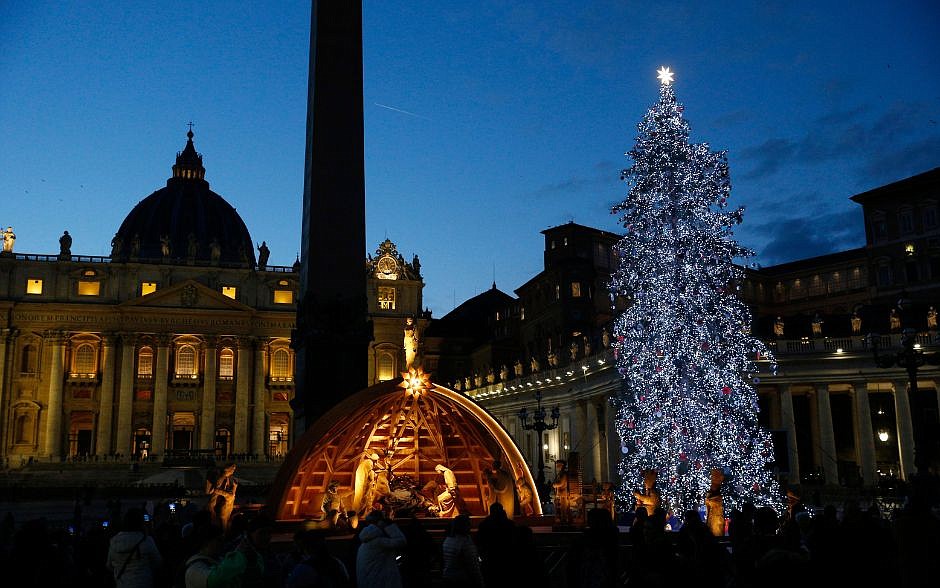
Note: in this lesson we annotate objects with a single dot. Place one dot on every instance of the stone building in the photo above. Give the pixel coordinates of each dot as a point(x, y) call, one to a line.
point(178, 342)
point(836, 417)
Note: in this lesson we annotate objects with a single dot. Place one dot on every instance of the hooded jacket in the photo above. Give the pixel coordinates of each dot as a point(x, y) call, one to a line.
point(376, 563)
point(142, 557)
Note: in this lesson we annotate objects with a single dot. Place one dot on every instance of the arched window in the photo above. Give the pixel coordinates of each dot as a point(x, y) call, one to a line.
point(28, 360)
point(186, 362)
point(280, 365)
point(386, 367)
point(145, 363)
point(226, 364)
point(85, 357)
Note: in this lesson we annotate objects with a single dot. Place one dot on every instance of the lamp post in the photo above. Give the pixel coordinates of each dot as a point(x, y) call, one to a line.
point(539, 425)
point(910, 358)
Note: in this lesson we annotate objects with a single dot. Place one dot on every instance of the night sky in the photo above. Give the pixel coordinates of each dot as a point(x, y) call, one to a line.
point(486, 122)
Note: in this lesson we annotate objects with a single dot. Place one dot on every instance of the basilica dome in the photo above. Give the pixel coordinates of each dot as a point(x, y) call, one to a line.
point(184, 222)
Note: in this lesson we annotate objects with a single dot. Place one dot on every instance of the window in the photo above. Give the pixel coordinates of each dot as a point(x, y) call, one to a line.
point(557, 292)
point(28, 360)
point(521, 313)
point(34, 286)
point(576, 289)
point(145, 363)
point(89, 288)
point(552, 244)
point(84, 362)
point(283, 292)
point(186, 362)
point(879, 226)
point(930, 217)
point(856, 280)
point(147, 288)
point(905, 222)
point(226, 364)
point(884, 275)
point(280, 366)
point(230, 291)
point(386, 369)
point(386, 298)
point(909, 249)
point(565, 242)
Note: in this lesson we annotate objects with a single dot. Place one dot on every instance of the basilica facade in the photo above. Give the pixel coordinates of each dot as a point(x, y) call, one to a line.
point(177, 343)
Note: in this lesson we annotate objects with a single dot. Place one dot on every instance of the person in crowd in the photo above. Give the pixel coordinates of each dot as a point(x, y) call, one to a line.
point(495, 538)
point(382, 543)
point(318, 568)
point(248, 565)
point(594, 557)
point(132, 554)
point(197, 568)
point(461, 561)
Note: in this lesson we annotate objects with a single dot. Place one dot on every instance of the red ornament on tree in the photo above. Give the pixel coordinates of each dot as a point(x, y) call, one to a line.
point(726, 390)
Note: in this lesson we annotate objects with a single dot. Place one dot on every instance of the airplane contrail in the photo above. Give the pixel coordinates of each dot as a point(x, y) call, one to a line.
point(400, 110)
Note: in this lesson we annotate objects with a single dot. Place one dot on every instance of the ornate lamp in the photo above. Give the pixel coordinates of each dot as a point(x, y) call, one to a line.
point(910, 358)
point(539, 425)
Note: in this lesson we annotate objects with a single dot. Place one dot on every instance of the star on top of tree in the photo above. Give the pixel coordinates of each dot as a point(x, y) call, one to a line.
point(665, 76)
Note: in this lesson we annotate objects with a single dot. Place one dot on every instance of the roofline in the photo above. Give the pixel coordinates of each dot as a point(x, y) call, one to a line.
point(910, 182)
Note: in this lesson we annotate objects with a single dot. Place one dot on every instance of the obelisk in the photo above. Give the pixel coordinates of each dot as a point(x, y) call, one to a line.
point(333, 332)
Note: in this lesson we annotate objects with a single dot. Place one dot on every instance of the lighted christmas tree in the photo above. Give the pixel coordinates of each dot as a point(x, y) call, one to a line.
point(683, 345)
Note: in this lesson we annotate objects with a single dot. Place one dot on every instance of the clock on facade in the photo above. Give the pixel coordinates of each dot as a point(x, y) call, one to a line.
point(387, 268)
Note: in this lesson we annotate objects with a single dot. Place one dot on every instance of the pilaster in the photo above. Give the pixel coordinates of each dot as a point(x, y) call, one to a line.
point(207, 419)
point(259, 431)
point(242, 392)
point(55, 378)
point(122, 441)
point(160, 380)
point(106, 396)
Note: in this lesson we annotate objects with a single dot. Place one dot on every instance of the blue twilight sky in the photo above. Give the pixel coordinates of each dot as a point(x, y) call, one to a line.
point(486, 122)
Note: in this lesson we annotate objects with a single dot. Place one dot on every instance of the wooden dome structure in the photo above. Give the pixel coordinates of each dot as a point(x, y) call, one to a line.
point(412, 429)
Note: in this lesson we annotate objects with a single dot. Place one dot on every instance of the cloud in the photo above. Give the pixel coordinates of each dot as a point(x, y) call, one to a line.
point(604, 173)
point(810, 235)
point(906, 161)
point(849, 135)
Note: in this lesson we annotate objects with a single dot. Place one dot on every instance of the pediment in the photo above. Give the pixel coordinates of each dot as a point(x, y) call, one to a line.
point(187, 295)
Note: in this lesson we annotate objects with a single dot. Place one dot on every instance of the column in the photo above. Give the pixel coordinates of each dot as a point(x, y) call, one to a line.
point(55, 376)
point(788, 422)
point(600, 410)
point(827, 437)
point(864, 436)
point(106, 400)
point(813, 403)
point(582, 440)
point(160, 380)
point(593, 436)
point(242, 392)
point(902, 412)
point(7, 338)
point(207, 419)
point(122, 442)
point(258, 428)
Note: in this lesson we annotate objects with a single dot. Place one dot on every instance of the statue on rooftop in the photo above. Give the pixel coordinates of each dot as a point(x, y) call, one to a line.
point(9, 238)
point(65, 246)
point(263, 254)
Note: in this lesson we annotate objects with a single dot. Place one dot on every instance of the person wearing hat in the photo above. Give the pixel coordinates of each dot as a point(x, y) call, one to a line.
point(382, 542)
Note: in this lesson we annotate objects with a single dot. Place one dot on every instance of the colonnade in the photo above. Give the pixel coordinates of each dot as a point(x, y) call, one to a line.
point(117, 400)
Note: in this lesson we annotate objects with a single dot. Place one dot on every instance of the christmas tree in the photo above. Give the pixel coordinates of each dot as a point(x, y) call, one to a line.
point(683, 345)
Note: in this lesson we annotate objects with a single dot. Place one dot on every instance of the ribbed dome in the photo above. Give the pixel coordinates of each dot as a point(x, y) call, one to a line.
point(185, 222)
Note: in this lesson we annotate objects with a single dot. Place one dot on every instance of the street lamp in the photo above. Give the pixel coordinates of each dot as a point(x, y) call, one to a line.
point(910, 358)
point(539, 426)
